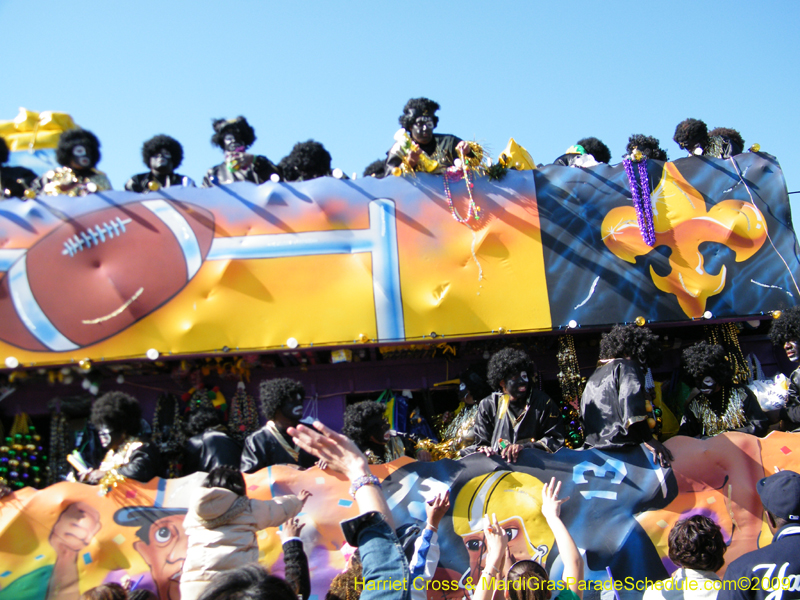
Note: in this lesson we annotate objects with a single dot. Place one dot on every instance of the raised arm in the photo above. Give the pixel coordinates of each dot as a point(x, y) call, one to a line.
point(570, 556)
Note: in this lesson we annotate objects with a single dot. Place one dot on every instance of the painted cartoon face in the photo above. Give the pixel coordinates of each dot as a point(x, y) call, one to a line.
point(232, 143)
point(161, 162)
point(517, 386)
point(422, 130)
point(76, 527)
point(164, 554)
point(292, 408)
point(707, 385)
point(515, 498)
point(517, 546)
point(792, 351)
point(80, 158)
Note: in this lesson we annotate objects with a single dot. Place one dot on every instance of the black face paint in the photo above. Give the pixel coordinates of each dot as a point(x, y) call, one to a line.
point(518, 386)
point(292, 408)
point(706, 385)
point(792, 349)
point(80, 158)
point(161, 162)
point(232, 143)
point(422, 130)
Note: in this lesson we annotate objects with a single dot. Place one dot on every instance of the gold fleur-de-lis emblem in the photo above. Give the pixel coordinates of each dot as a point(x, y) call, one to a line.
point(682, 222)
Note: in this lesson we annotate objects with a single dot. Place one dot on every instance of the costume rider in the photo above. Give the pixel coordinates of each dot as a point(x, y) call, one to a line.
point(162, 154)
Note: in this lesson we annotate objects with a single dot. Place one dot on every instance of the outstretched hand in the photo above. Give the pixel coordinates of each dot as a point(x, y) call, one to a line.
point(661, 454)
point(291, 529)
point(435, 509)
point(496, 542)
point(551, 505)
point(339, 452)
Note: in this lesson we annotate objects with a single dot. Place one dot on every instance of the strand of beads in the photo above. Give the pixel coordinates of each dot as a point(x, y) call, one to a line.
point(58, 467)
point(571, 382)
point(727, 336)
point(640, 193)
point(243, 419)
point(454, 174)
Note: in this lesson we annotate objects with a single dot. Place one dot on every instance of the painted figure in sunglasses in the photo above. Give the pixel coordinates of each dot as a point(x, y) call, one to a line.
point(516, 416)
point(117, 418)
point(417, 148)
point(282, 407)
point(161, 154)
point(234, 137)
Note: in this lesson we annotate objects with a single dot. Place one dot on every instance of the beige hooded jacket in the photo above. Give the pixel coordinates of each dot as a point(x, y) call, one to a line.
point(221, 528)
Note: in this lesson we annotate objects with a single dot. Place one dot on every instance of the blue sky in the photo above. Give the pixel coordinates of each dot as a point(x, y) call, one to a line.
point(543, 73)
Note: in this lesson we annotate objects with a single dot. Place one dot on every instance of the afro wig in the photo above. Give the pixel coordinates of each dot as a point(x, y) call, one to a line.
point(631, 341)
point(733, 137)
point(307, 160)
point(690, 133)
point(596, 148)
point(202, 419)
point(787, 327)
point(3, 151)
point(118, 411)
point(507, 362)
point(376, 168)
point(357, 420)
point(708, 360)
point(274, 392)
point(238, 127)
point(165, 142)
point(697, 543)
point(647, 145)
point(77, 137)
point(418, 107)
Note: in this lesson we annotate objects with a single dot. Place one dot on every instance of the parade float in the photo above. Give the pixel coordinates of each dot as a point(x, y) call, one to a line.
point(358, 286)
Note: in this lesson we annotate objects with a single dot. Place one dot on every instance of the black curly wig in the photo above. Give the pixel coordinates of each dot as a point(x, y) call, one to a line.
point(377, 169)
point(507, 362)
point(202, 419)
point(77, 137)
point(3, 151)
point(161, 141)
point(787, 327)
point(307, 160)
point(691, 132)
point(238, 126)
point(476, 384)
point(273, 392)
point(357, 418)
point(638, 343)
point(418, 107)
point(118, 411)
point(708, 360)
point(731, 135)
point(697, 543)
point(647, 145)
point(596, 148)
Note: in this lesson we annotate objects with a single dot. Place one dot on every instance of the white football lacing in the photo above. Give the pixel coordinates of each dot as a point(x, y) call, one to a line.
point(94, 237)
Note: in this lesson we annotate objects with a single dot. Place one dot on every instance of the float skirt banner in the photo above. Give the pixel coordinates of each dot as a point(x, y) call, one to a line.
point(330, 263)
point(724, 241)
point(620, 511)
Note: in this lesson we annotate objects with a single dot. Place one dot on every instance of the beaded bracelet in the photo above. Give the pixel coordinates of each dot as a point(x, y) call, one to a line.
point(362, 481)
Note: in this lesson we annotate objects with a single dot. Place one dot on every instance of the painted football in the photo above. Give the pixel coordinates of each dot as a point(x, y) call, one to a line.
point(97, 274)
